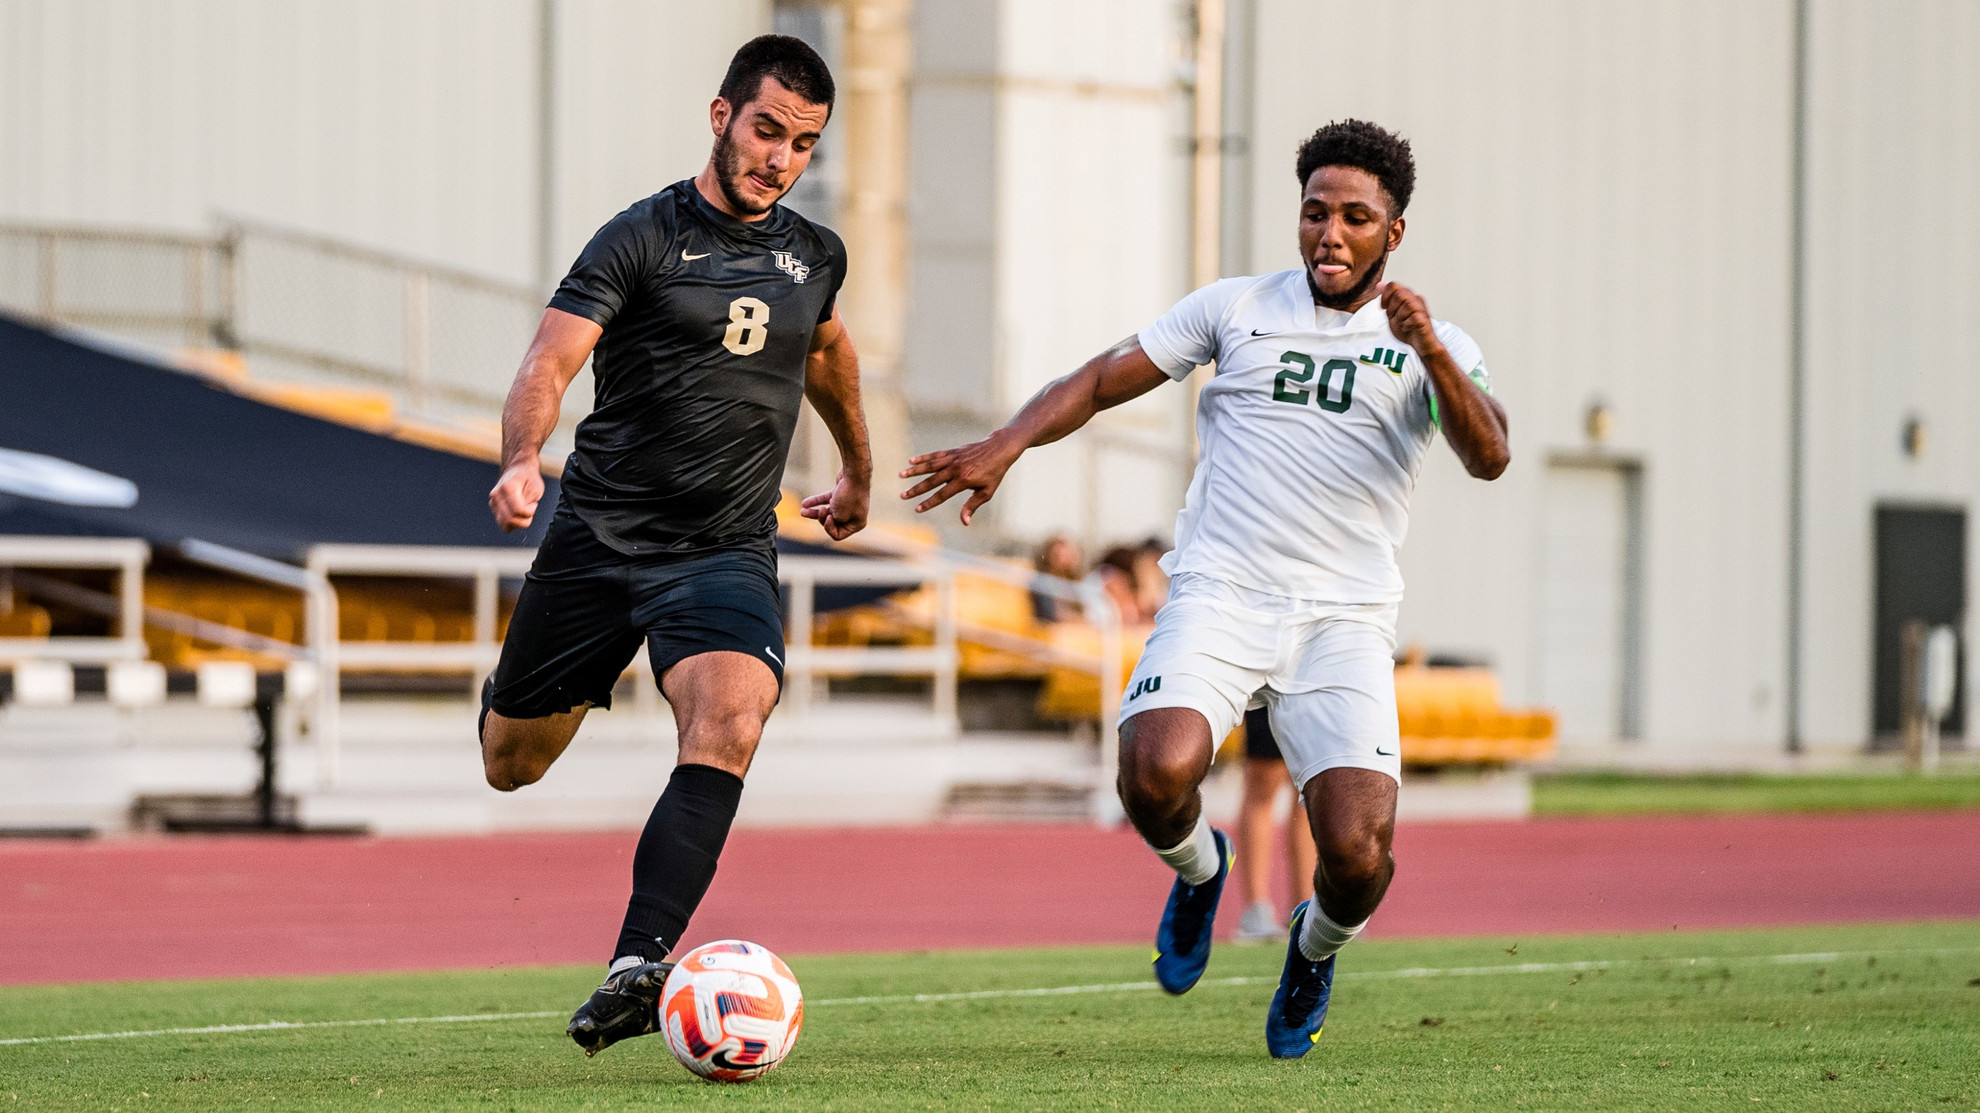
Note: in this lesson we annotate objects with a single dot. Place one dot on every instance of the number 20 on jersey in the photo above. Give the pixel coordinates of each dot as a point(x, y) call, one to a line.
point(1290, 384)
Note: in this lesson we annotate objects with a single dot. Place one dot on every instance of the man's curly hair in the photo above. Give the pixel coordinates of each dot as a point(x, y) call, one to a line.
point(1365, 146)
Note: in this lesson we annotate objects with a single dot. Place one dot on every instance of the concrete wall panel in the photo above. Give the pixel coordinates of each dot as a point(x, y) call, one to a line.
point(1602, 203)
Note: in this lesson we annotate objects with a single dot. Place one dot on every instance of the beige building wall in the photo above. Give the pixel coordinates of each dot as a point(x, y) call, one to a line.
point(1602, 202)
point(1049, 221)
point(411, 127)
point(1894, 283)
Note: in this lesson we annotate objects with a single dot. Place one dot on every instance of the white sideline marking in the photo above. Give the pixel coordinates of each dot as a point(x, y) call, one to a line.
point(278, 1026)
point(1051, 991)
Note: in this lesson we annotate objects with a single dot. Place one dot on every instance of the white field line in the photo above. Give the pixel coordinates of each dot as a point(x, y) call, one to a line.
point(1051, 991)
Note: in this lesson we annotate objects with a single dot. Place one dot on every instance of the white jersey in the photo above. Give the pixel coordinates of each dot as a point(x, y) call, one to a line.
point(1311, 435)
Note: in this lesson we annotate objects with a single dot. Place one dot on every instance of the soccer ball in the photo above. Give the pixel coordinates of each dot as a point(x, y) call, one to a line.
point(731, 1010)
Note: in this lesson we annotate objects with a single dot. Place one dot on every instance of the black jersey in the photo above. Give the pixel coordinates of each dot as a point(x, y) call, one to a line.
point(699, 372)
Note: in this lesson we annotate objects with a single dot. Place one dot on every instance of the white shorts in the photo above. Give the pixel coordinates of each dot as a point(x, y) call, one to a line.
point(1325, 671)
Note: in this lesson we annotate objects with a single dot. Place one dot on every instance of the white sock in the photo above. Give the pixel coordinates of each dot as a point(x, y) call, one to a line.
point(1320, 936)
point(623, 962)
point(1194, 858)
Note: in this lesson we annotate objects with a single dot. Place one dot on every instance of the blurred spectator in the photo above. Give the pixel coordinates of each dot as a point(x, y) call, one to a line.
point(1151, 584)
point(1118, 577)
point(1058, 560)
point(1265, 778)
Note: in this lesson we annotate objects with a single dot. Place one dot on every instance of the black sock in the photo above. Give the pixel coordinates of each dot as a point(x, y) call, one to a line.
point(676, 858)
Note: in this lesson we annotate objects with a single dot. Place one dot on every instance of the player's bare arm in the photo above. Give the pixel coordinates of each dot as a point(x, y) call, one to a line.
point(1472, 420)
point(1119, 374)
point(831, 385)
point(563, 342)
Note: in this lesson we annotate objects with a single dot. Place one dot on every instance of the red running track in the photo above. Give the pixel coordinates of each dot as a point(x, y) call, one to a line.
point(202, 907)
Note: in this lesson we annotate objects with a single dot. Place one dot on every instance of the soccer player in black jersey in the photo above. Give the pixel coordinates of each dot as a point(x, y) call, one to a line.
point(708, 312)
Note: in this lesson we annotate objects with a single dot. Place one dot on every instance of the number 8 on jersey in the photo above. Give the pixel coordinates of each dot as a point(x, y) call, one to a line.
point(749, 326)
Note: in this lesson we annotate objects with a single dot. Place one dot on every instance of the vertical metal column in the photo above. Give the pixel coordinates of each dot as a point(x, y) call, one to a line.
point(1797, 374)
point(130, 609)
point(546, 142)
point(945, 641)
point(797, 663)
point(486, 581)
point(1206, 214)
point(879, 62)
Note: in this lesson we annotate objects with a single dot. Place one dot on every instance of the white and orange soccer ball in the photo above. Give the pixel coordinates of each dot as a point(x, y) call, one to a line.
point(731, 1010)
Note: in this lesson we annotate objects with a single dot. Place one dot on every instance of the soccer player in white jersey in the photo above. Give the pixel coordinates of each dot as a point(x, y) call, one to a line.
point(1330, 385)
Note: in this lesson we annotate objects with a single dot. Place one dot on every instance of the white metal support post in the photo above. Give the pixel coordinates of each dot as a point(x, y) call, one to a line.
point(485, 567)
point(1106, 802)
point(797, 640)
point(126, 556)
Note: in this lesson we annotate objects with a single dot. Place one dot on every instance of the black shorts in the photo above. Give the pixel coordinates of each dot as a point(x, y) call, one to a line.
point(1258, 740)
point(585, 608)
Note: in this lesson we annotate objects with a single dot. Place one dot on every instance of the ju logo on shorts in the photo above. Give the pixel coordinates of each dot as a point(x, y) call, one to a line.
point(1147, 686)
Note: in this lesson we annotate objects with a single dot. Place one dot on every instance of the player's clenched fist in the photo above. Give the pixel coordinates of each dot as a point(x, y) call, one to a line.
point(841, 510)
point(1409, 318)
point(978, 467)
point(514, 499)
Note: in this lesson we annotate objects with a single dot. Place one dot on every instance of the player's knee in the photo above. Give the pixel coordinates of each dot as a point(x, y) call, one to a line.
point(1153, 780)
point(1356, 862)
point(509, 772)
point(725, 737)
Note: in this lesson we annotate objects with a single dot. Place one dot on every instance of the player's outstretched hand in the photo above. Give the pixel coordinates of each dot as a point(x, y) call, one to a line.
point(514, 499)
point(1409, 317)
point(978, 467)
point(841, 510)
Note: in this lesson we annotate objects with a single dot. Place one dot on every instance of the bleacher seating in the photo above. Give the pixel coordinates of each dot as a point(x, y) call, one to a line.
point(24, 620)
point(1453, 716)
point(1447, 715)
point(369, 610)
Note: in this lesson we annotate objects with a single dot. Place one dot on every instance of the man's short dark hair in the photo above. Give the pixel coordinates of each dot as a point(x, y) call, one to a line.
point(789, 60)
point(1365, 146)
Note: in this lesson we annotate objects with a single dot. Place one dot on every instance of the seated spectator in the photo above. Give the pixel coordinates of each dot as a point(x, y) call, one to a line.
point(1151, 584)
point(1058, 560)
point(1118, 576)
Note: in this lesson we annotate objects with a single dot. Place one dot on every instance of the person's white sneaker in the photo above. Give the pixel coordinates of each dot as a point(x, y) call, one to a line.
point(1258, 923)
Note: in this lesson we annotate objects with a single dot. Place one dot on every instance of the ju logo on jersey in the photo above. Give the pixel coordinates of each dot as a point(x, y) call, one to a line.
point(1387, 357)
point(1148, 686)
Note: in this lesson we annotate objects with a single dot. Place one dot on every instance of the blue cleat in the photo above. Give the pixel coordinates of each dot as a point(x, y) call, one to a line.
point(1299, 1009)
point(1182, 943)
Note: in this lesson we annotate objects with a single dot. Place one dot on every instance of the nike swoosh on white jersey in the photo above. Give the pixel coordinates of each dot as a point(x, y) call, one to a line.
point(686, 258)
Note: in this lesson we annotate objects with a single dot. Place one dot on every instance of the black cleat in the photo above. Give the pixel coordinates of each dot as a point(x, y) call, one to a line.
point(626, 1005)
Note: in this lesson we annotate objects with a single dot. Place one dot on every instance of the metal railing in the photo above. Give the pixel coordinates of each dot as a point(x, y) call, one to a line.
point(301, 307)
point(333, 655)
point(1108, 666)
point(326, 654)
point(487, 568)
point(124, 556)
point(804, 575)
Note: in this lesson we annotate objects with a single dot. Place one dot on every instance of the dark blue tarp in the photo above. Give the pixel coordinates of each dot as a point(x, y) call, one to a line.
point(214, 465)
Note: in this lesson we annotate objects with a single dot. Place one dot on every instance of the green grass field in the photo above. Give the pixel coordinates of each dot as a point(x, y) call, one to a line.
point(1885, 1017)
point(1710, 793)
